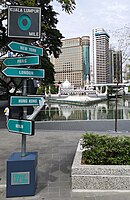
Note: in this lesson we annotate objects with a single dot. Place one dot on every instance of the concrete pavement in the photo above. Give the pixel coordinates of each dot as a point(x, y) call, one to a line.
point(56, 150)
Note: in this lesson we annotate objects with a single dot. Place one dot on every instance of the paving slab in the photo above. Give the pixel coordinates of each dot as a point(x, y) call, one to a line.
point(56, 150)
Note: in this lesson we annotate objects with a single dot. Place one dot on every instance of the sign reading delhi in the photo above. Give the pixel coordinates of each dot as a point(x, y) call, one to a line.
point(21, 126)
point(23, 72)
point(21, 61)
point(25, 48)
point(25, 101)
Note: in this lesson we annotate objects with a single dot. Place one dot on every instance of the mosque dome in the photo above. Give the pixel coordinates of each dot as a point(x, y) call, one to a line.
point(66, 84)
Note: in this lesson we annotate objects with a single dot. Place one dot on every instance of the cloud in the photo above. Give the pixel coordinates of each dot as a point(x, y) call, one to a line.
point(117, 7)
point(115, 13)
point(93, 14)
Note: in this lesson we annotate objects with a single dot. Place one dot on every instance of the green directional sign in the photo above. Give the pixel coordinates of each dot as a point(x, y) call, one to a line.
point(21, 126)
point(23, 72)
point(24, 48)
point(25, 101)
point(21, 61)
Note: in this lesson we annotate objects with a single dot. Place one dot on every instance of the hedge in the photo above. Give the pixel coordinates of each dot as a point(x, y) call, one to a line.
point(105, 149)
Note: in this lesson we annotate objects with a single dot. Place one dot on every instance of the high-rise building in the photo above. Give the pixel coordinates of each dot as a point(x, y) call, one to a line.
point(115, 61)
point(73, 63)
point(101, 69)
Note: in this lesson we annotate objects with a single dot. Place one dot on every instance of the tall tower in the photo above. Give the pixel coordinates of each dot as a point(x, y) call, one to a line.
point(101, 68)
point(115, 60)
point(85, 42)
point(74, 61)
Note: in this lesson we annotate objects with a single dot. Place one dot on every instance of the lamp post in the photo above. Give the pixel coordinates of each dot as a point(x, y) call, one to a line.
point(116, 105)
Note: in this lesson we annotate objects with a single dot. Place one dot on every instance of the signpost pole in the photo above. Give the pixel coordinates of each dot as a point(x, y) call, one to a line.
point(23, 148)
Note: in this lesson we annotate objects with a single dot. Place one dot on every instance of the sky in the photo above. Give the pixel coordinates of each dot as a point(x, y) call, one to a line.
point(111, 15)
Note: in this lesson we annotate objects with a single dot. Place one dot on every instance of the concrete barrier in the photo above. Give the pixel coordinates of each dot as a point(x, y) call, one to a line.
point(99, 177)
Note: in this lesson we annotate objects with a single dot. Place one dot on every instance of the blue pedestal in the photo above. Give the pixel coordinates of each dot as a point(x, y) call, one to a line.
point(21, 175)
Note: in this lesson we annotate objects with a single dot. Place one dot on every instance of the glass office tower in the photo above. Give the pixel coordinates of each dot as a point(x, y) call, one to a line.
point(73, 63)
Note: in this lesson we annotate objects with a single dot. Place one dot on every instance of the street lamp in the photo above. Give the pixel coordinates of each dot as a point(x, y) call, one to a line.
point(116, 81)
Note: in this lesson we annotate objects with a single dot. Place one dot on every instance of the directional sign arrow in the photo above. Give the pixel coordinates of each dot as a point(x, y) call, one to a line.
point(21, 61)
point(24, 48)
point(23, 72)
point(37, 109)
point(21, 126)
point(25, 101)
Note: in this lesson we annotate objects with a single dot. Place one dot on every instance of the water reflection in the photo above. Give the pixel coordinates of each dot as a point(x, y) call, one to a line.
point(103, 110)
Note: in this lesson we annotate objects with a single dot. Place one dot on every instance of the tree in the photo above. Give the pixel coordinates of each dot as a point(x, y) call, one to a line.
point(50, 35)
point(121, 38)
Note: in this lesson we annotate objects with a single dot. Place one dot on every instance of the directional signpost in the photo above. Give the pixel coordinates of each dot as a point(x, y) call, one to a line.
point(21, 126)
point(23, 72)
point(25, 48)
point(21, 61)
point(23, 22)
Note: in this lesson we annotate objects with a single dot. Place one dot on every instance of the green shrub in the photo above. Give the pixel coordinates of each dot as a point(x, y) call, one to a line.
point(105, 149)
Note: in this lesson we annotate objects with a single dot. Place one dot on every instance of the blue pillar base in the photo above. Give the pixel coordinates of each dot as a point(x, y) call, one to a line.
point(21, 174)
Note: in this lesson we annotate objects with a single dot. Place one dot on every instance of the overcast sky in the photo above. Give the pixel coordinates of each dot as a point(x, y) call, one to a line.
point(108, 14)
point(89, 14)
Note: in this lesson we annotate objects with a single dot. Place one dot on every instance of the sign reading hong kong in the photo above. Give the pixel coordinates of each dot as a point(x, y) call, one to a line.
point(25, 101)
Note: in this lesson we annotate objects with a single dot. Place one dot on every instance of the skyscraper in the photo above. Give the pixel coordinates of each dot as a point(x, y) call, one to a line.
point(115, 61)
point(101, 68)
point(74, 61)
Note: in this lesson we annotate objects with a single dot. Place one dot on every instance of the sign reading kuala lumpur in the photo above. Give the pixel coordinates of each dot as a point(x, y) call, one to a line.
point(24, 22)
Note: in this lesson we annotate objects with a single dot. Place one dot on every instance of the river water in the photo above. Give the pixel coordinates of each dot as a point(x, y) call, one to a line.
point(98, 111)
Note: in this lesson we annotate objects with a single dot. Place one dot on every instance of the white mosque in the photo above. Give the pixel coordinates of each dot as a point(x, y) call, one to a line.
point(68, 92)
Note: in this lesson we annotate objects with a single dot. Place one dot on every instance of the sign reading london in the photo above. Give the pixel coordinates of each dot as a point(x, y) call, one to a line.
point(24, 22)
point(21, 126)
point(25, 48)
point(23, 72)
point(21, 61)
